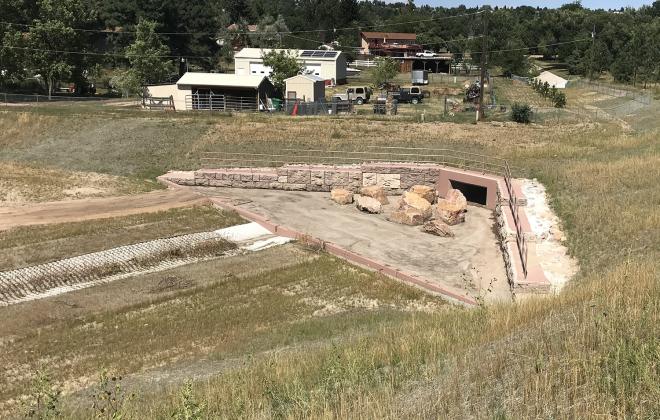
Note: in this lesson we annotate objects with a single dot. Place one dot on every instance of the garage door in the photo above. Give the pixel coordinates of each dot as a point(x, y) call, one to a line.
point(314, 69)
point(260, 69)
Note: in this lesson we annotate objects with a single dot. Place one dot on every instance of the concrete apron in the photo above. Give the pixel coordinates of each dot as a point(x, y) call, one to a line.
point(460, 269)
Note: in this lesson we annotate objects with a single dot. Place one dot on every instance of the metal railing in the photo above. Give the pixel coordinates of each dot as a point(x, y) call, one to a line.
point(210, 102)
point(379, 154)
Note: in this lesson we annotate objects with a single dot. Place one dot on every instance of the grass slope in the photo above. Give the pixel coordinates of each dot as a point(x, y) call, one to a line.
point(591, 352)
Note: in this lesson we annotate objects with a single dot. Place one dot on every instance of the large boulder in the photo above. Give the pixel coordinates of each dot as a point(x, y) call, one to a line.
point(375, 191)
point(341, 196)
point(427, 193)
point(409, 216)
point(438, 228)
point(457, 198)
point(368, 204)
point(452, 208)
point(415, 201)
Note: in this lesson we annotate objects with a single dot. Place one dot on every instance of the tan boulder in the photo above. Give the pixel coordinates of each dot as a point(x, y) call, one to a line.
point(408, 216)
point(368, 204)
point(438, 228)
point(415, 201)
point(457, 198)
point(341, 196)
point(448, 212)
point(427, 193)
point(452, 208)
point(375, 191)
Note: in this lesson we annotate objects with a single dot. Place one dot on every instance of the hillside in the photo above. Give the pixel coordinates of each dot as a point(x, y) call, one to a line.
point(296, 333)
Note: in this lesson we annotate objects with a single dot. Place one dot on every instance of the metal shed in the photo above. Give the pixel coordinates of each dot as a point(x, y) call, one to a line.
point(223, 92)
point(306, 87)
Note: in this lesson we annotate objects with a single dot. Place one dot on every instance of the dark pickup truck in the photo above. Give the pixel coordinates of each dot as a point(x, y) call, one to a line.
point(412, 95)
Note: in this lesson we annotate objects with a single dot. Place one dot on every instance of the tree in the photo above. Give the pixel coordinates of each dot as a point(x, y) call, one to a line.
point(283, 65)
point(53, 32)
point(147, 55)
point(269, 32)
point(385, 70)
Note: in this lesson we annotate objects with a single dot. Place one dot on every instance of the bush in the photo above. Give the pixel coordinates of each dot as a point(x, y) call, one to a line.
point(521, 113)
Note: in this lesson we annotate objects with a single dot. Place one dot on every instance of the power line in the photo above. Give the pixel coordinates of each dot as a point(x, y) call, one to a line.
point(98, 53)
point(208, 57)
point(108, 31)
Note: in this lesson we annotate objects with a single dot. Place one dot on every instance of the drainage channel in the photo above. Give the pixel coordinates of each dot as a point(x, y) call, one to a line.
point(63, 276)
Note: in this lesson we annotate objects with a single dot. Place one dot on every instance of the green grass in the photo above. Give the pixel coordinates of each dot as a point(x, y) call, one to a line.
point(32, 245)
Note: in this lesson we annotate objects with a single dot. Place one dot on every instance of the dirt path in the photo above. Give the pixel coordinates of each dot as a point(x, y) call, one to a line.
point(96, 208)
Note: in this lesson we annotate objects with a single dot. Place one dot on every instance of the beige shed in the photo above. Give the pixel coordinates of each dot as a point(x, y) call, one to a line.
point(306, 87)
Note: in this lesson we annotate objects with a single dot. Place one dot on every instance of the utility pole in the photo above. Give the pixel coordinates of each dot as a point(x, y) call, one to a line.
point(482, 77)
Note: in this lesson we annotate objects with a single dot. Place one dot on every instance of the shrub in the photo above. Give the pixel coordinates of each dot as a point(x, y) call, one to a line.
point(560, 100)
point(521, 113)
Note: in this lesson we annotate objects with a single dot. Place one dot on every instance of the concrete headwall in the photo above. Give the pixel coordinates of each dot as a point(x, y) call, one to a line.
point(394, 177)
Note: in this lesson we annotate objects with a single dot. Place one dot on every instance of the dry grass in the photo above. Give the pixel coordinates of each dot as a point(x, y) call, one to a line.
point(32, 245)
point(20, 183)
point(591, 352)
point(232, 317)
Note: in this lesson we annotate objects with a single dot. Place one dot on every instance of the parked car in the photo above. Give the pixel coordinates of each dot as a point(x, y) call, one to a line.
point(408, 94)
point(357, 94)
point(425, 53)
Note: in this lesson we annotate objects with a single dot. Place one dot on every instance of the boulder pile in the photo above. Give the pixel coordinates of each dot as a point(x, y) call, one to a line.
point(419, 206)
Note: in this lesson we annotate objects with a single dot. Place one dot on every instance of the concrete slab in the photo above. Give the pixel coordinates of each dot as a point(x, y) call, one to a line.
point(469, 264)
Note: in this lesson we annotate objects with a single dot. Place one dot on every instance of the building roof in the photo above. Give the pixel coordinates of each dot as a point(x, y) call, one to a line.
point(221, 79)
point(236, 27)
point(257, 53)
point(311, 77)
point(390, 35)
point(552, 79)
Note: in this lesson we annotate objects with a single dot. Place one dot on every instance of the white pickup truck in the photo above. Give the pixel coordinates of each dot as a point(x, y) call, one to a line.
point(426, 53)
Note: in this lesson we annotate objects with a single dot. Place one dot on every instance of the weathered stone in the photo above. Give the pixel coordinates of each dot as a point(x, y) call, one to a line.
point(299, 177)
point(341, 196)
point(368, 204)
point(375, 191)
point(408, 216)
point(438, 228)
point(282, 179)
point(388, 181)
point(369, 179)
point(450, 212)
point(415, 201)
point(424, 191)
point(334, 178)
point(457, 198)
point(294, 187)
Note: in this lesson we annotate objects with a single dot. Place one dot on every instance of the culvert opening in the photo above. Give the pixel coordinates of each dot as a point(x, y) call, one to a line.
point(473, 193)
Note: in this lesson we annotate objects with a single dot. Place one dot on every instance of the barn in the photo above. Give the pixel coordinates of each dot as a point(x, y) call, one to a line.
point(552, 79)
point(306, 87)
point(328, 65)
point(223, 92)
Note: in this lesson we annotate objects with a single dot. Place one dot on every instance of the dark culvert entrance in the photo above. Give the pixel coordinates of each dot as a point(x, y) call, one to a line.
point(473, 193)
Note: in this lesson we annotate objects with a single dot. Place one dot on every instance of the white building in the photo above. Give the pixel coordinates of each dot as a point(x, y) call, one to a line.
point(552, 79)
point(306, 87)
point(328, 65)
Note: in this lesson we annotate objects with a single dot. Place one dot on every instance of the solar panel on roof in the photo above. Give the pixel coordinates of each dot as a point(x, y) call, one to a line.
point(307, 53)
point(318, 54)
point(330, 54)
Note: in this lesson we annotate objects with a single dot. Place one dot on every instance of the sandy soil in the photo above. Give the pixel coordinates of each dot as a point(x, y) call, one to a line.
point(95, 208)
point(558, 266)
